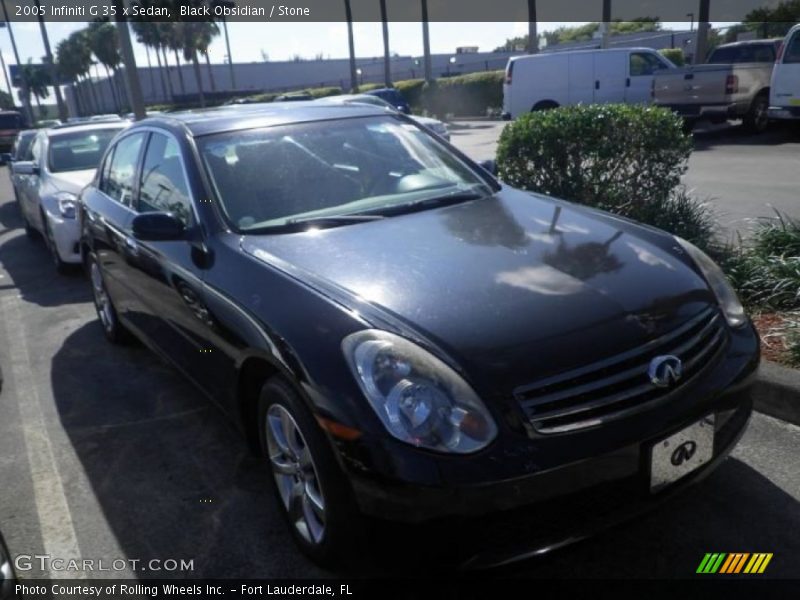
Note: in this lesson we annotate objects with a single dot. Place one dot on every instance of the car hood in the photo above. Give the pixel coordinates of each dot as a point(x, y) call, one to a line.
point(71, 181)
point(509, 288)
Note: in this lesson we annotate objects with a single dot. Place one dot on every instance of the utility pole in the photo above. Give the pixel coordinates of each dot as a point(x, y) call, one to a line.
point(533, 35)
point(387, 69)
point(351, 45)
point(606, 23)
point(8, 82)
point(132, 84)
point(701, 43)
point(230, 58)
point(48, 56)
point(426, 42)
point(26, 99)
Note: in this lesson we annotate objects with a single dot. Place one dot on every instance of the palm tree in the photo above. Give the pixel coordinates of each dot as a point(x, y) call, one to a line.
point(173, 39)
point(187, 33)
point(38, 81)
point(349, 15)
point(148, 34)
point(387, 69)
point(73, 60)
point(533, 37)
point(105, 46)
point(205, 35)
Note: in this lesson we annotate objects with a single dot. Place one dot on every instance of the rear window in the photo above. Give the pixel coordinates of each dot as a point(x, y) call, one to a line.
point(12, 121)
point(750, 53)
point(79, 150)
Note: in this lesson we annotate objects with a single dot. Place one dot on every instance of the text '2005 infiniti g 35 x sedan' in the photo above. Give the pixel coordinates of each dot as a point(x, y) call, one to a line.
point(402, 336)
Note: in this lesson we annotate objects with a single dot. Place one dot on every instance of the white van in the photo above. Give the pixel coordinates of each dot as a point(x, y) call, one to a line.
point(784, 89)
point(542, 81)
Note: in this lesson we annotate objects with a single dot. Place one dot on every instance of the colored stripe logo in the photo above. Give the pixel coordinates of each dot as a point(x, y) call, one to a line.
point(733, 563)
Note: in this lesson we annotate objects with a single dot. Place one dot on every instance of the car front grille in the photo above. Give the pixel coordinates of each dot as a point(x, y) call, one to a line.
point(620, 385)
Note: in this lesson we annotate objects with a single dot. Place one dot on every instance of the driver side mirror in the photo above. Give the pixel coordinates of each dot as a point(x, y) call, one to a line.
point(490, 166)
point(158, 227)
point(25, 167)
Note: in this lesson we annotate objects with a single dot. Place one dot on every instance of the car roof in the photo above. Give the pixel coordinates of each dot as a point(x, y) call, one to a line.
point(250, 116)
point(85, 126)
point(750, 43)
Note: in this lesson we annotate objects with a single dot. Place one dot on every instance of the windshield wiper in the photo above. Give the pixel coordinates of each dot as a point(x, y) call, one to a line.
point(333, 219)
point(442, 200)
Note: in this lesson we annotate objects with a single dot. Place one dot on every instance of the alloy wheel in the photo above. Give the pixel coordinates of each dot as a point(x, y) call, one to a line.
point(295, 474)
point(101, 300)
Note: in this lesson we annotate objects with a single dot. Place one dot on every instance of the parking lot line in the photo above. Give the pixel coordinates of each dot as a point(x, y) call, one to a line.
point(55, 519)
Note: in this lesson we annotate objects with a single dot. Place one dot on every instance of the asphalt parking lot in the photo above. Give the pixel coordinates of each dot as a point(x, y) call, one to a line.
point(105, 452)
point(742, 176)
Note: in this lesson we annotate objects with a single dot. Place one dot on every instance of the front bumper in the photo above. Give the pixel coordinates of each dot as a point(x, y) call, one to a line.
point(787, 113)
point(66, 234)
point(582, 482)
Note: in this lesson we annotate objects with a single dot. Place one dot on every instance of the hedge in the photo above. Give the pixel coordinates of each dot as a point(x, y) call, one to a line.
point(627, 159)
point(675, 55)
point(464, 95)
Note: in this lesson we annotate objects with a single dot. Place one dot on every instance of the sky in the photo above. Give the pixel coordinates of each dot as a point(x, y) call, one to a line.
point(281, 41)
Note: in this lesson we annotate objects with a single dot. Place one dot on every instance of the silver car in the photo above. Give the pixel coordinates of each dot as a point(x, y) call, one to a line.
point(63, 161)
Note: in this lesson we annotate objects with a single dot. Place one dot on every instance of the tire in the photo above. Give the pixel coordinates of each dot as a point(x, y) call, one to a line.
point(60, 265)
point(114, 331)
point(757, 118)
point(310, 487)
point(544, 105)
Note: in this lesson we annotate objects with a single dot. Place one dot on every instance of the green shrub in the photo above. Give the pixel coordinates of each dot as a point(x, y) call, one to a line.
point(464, 95)
point(615, 157)
point(366, 87)
point(675, 55)
point(412, 91)
point(683, 215)
point(324, 92)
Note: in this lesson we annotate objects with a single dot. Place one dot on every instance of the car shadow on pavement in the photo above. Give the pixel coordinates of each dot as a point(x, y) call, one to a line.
point(776, 135)
point(30, 268)
point(173, 478)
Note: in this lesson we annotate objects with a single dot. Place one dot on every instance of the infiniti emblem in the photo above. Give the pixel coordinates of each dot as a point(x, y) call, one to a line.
point(665, 371)
point(683, 453)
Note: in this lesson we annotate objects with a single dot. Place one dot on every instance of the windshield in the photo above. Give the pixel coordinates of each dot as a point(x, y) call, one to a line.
point(79, 150)
point(361, 166)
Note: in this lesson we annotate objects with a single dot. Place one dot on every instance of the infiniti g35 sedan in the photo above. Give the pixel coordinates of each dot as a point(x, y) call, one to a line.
point(62, 161)
point(401, 336)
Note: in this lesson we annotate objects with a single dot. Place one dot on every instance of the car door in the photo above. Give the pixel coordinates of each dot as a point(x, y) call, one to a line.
point(785, 87)
point(107, 212)
point(642, 66)
point(26, 183)
point(168, 275)
point(581, 78)
point(610, 72)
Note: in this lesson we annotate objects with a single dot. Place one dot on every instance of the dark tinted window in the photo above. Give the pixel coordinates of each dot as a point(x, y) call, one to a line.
point(792, 52)
point(748, 53)
point(79, 150)
point(22, 146)
point(122, 170)
point(163, 186)
point(11, 121)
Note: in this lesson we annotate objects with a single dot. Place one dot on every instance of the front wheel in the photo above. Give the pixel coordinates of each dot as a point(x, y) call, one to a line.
point(757, 118)
point(60, 265)
point(112, 328)
point(311, 489)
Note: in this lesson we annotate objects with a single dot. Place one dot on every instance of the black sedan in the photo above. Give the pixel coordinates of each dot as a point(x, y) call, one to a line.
point(402, 336)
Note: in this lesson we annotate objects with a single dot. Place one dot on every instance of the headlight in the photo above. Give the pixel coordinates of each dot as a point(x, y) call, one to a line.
point(726, 296)
point(67, 204)
point(418, 398)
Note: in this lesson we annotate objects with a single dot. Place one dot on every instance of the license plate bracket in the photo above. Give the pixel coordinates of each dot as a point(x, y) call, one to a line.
point(681, 453)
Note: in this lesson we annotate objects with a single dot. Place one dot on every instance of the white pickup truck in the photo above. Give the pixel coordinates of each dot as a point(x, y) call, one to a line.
point(733, 84)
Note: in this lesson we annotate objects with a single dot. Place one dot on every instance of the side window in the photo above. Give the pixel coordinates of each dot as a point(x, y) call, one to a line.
point(36, 149)
point(106, 169)
point(163, 186)
point(792, 53)
point(644, 63)
point(118, 183)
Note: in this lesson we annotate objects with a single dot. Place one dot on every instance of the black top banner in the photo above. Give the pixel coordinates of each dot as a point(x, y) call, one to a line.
point(369, 10)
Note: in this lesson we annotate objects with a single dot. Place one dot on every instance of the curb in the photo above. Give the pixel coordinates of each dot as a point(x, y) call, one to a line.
point(776, 392)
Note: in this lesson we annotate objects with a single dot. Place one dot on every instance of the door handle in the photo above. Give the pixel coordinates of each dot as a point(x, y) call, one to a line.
point(131, 245)
point(597, 84)
point(627, 82)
